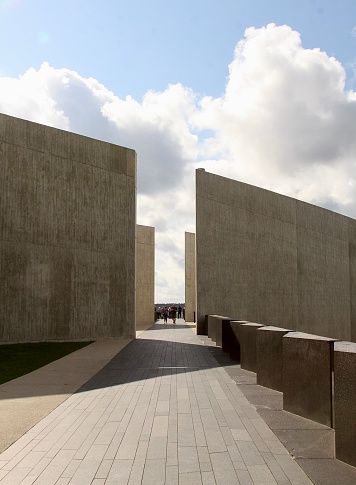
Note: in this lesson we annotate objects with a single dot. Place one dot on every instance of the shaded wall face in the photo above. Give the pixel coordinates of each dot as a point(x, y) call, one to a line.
point(190, 279)
point(67, 250)
point(145, 273)
point(272, 259)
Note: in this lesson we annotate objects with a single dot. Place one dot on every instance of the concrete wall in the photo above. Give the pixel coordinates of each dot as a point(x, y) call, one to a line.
point(67, 235)
point(190, 279)
point(344, 401)
point(274, 260)
point(145, 275)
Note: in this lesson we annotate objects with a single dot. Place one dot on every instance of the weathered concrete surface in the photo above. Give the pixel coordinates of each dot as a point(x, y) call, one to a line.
point(212, 322)
point(270, 258)
point(190, 279)
point(234, 344)
point(222, 324)
point(247, 333)
point(215, 329)
point(307, 376)
point(269, 365)
point(228, 338)
point(145, 275)
point(345, 401)
point(67, 235)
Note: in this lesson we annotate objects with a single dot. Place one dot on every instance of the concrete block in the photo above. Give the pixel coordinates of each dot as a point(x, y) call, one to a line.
point(247, 338)
point(228, 338)
point(212, 322)
point(215, 323)
point(269, 364)
point(233, 339)
point(202, 325)
point(345, 401)
point(221, 323)
point(307, 376)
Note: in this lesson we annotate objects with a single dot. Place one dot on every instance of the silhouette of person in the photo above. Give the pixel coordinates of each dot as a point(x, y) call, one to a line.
point(174, 313)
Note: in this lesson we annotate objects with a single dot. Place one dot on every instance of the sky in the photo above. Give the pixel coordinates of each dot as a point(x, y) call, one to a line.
point(258, 91)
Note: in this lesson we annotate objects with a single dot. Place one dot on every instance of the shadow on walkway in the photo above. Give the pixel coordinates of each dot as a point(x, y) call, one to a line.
point(148, 358)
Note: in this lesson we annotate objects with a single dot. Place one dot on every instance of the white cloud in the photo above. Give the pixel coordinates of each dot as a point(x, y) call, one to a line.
point(28, 97)
point(158, 129)
point(285, 122)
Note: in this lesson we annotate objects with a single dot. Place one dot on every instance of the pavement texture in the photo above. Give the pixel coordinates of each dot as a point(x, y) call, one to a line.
point(166, 408)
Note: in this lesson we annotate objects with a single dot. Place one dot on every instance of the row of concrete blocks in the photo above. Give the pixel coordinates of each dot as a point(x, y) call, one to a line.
point(317, 375)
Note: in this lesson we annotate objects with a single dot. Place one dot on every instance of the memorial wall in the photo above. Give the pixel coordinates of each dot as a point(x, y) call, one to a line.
point(190, 283)
point(274, 260)
point(68, 223)
point(145, 275)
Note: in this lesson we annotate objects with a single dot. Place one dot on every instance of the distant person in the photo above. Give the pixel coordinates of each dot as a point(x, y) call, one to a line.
point(164, 313)
point(184, 312)
point(174, 313)
point(158, 313)
point(179, 312)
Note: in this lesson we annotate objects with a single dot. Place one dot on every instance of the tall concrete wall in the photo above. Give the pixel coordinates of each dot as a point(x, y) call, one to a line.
point(67, 248)
point(190, 280)
point(145, 275)
point(271, 259)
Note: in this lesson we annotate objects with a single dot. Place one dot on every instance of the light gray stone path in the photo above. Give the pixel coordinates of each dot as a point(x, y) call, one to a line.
point(162, 411)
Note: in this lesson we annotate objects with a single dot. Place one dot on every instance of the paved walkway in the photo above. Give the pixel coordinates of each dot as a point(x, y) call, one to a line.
point(28, 399)
point(162, 411)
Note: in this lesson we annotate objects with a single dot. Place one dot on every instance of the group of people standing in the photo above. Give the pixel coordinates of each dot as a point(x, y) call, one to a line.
point(172, 312)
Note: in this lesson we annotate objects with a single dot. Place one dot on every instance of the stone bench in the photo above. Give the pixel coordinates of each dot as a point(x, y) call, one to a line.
point(269, 364)
point(345, 401)
point(307, 376)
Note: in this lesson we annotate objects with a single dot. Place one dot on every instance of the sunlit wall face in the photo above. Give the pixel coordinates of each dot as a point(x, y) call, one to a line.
point(271, 259)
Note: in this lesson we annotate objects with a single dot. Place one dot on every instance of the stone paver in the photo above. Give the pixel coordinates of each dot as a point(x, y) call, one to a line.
point(162, 411)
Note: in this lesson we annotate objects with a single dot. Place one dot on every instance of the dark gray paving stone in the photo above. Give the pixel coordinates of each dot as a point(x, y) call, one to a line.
point(283, 420)
point(274, 402)
point(255, 390)
point(328, 472)
point(308, 443)
point(242, 379)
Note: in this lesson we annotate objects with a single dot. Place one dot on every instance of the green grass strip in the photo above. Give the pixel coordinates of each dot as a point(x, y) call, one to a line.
point(17, 360)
